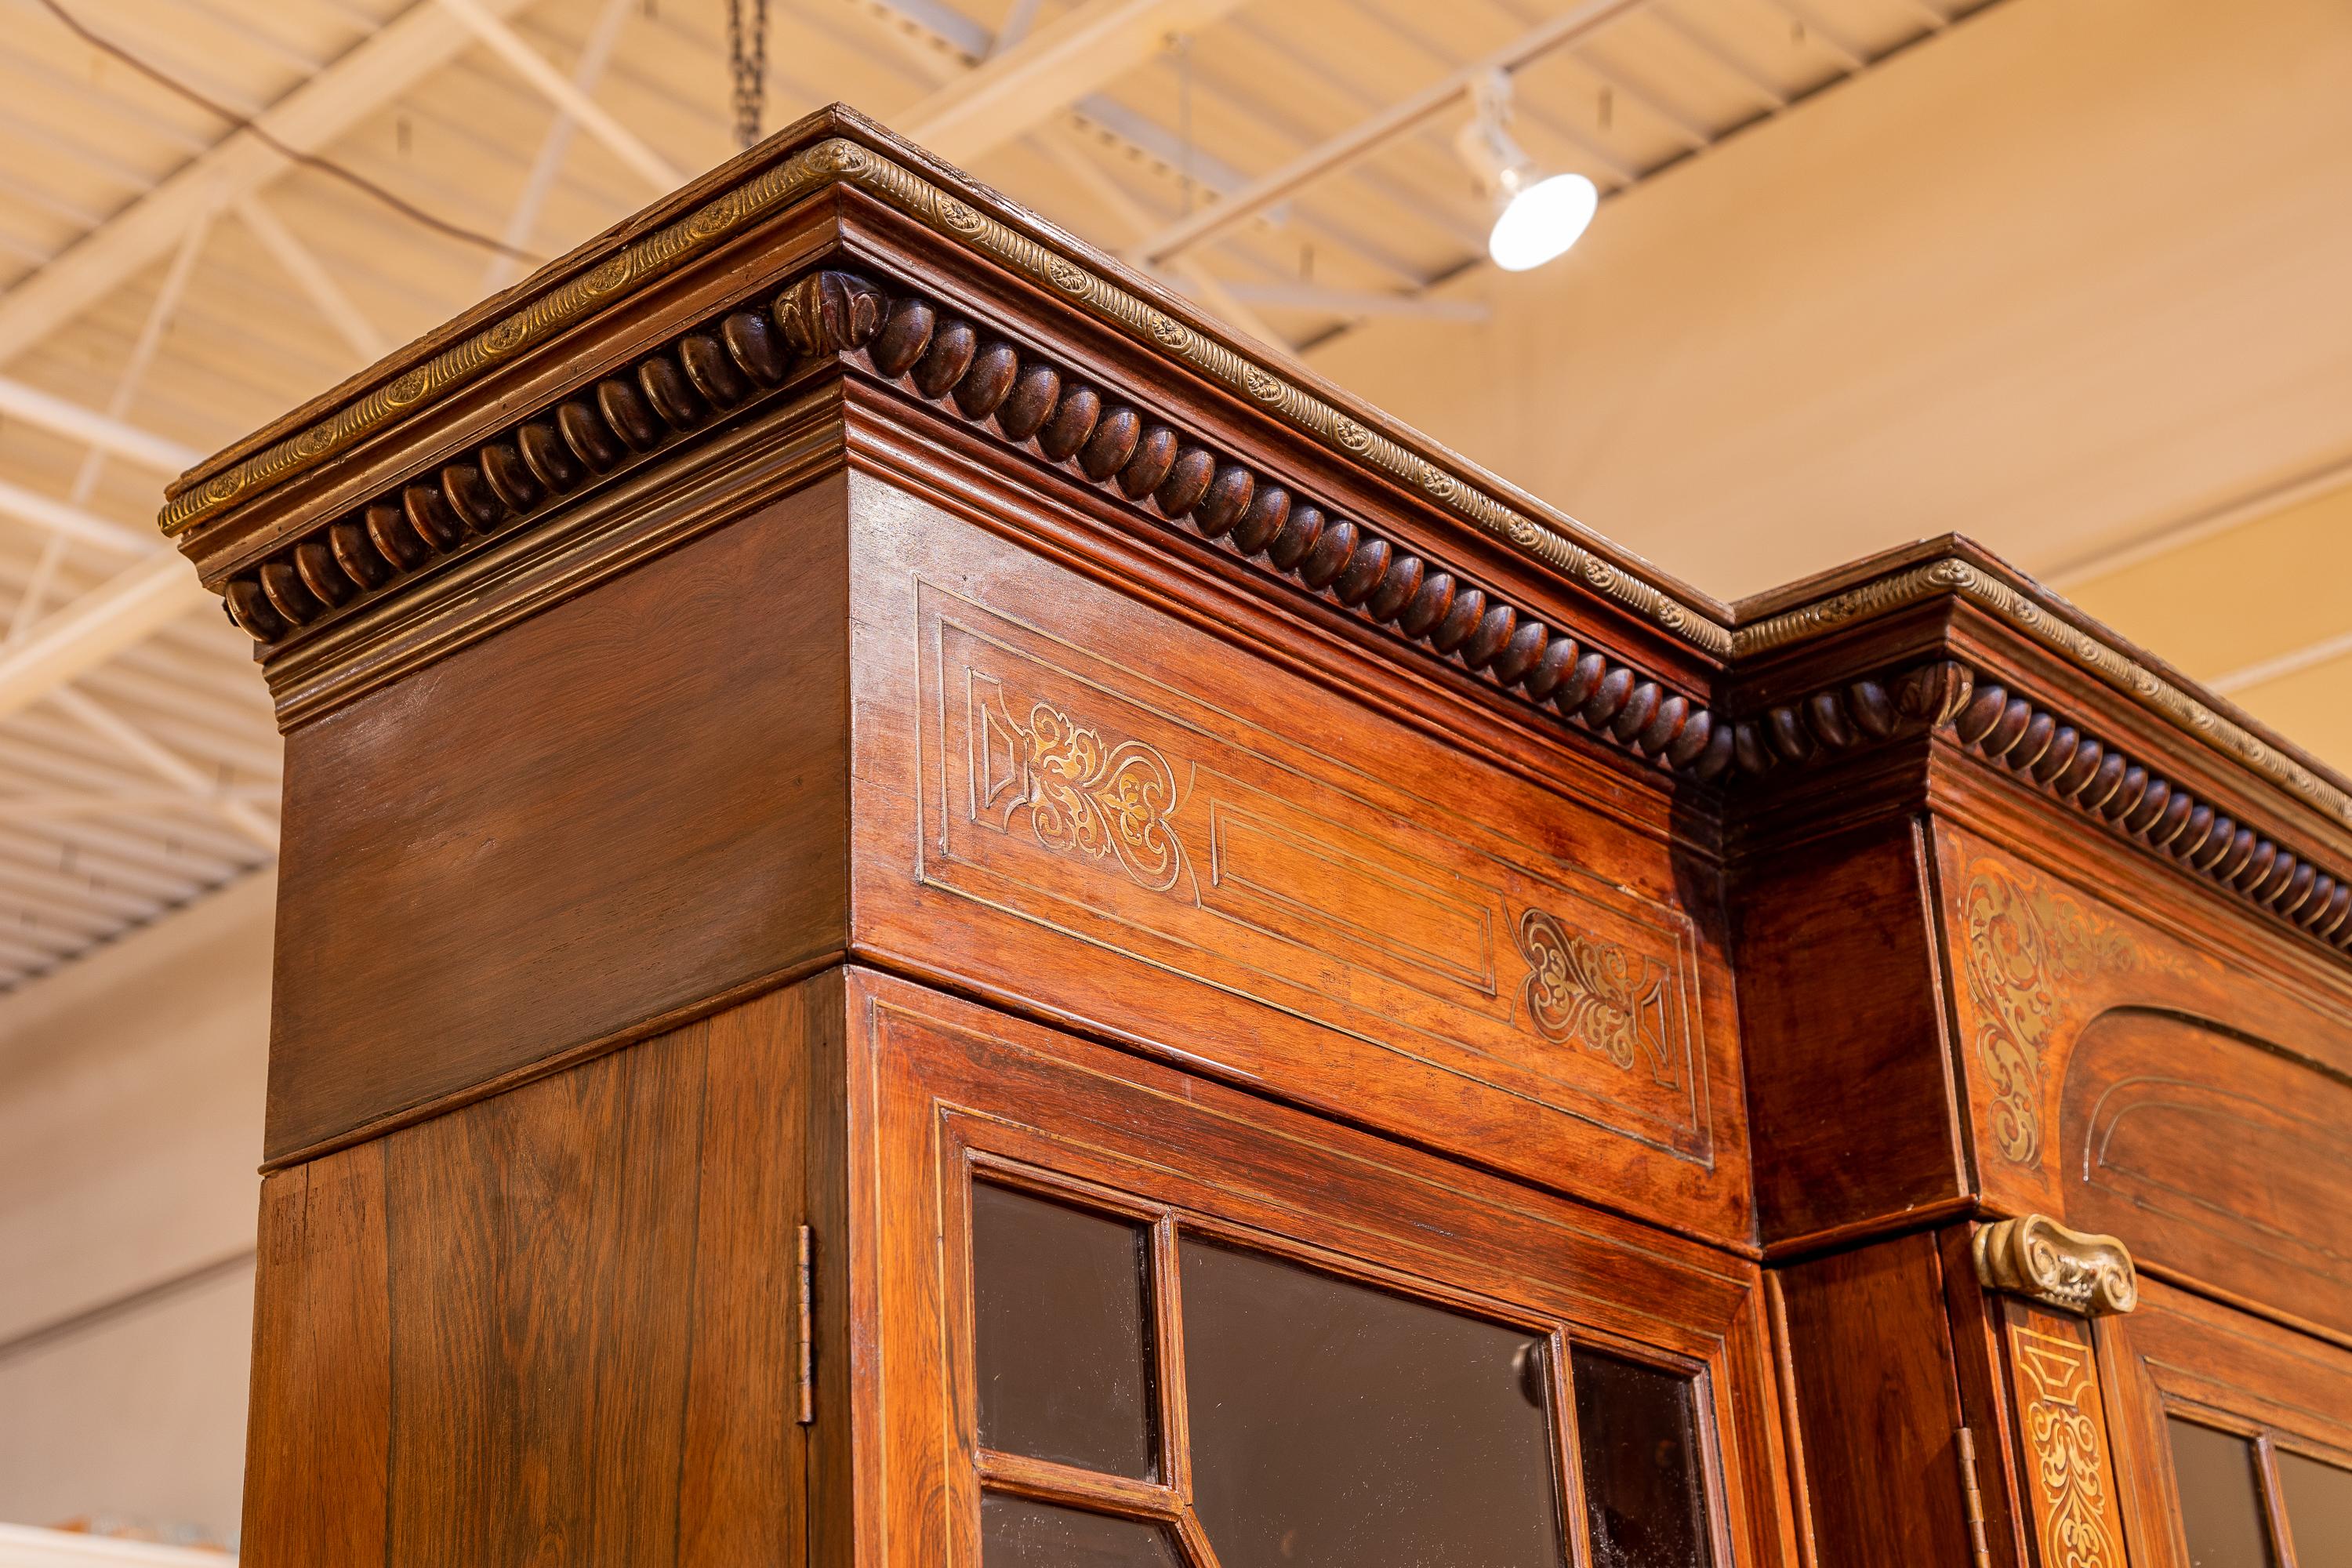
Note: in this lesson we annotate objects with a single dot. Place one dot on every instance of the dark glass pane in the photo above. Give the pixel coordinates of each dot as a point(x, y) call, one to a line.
point(2319, 1510)
point(1061, 1315)
point(2221, 1497)
point(1337, 1425)
point(1637, 1433)
point(1017, 1533)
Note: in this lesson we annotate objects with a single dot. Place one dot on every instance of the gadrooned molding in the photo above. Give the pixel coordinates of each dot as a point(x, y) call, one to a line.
point(2061, 759)
point(1018, 397)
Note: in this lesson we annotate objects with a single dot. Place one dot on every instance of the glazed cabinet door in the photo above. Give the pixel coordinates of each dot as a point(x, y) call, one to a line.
point(2235, 1436)
point(1127, 1318)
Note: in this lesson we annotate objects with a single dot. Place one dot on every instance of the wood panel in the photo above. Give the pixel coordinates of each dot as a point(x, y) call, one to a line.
point(558, 1324)
point(2179, 1352)
point(625, 807)
point(319, 1433)
point(1879, 1404)
point(2136, 1084)
point(1850, 1086)
point(1085, 808)
point(944, 1084)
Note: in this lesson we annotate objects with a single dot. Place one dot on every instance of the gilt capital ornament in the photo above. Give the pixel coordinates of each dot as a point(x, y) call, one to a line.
point(2037, 1258)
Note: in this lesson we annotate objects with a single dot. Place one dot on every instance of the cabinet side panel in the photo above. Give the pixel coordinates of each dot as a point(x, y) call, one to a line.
point(594, 820)
point(542, 1243)
point(559, 1324)
point(1877, 1402)
point(1841, 1017)
point(316, 1444)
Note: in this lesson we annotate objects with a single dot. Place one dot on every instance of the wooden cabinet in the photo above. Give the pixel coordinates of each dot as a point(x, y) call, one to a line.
point(930, 915)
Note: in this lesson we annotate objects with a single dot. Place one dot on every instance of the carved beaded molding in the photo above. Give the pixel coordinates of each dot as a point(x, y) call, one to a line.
point(2043, 1260)
point(2055, 756)
point(1019, 397)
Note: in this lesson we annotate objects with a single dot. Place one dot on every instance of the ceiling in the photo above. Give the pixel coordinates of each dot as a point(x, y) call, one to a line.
point(2053, 272)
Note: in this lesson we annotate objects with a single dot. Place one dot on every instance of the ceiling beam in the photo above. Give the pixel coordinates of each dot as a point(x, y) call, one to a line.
point(565, 94)
point(70, 521)
point(362, 79)
point(91, 428)
point(1370, 134)
point(1048, 69)
point(1356, 303)
point(86, 632)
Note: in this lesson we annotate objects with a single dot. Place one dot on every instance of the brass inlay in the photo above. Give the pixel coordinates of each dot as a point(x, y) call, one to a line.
point(1583, 990)
point(1084, 797)
point(2023, 942)
point(2066, 1453)
point(2038, 1257)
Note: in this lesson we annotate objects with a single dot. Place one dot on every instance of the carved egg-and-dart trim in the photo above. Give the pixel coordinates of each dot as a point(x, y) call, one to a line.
point(1023, 398)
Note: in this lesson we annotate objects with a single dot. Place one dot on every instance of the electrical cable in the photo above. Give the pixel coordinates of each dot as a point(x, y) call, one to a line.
point(238, 123)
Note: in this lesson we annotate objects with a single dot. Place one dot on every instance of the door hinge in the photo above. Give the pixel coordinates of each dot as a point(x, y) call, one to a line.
point(1972, 1497)
point(808, 1325)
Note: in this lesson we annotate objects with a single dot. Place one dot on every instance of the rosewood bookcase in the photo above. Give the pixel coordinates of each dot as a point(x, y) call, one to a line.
point(932, 913)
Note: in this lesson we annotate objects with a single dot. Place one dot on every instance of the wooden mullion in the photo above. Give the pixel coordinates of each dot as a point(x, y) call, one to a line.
point(1043, 1480)
point(2273, 1500)
point(1192, 1541)
point(1168, 1349)
point(1568, 1467)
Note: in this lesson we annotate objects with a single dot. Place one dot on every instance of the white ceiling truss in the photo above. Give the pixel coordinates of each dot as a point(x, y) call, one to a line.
point(172, 283)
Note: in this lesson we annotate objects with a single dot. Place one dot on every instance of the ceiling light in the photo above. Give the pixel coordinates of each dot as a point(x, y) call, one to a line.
point(1536, 218)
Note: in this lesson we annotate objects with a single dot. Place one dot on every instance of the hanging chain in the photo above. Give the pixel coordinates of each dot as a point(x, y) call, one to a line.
point(747, 59)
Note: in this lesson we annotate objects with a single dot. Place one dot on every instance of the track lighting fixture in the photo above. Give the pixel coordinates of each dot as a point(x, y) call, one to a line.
point(1536, 218)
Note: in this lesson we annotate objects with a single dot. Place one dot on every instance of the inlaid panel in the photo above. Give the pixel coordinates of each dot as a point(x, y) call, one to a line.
point(1067, 796)
point(1071, 785)
point(2147, 1089)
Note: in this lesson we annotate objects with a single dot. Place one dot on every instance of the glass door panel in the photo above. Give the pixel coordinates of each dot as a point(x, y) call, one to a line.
point(2319, 1502)
point(2219, 1478)
point(1149, 1397)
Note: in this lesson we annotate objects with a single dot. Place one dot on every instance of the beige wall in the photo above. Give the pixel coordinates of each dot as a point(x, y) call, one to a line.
point(2073, 271)
point(130, 1098)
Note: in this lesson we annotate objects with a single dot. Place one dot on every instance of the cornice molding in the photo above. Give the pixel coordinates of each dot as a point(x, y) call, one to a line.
point(1016, 395)
point(966, 213)
point(1953, 576)
point(2042, 1260)
point(1392, 451)
point(2061, 758)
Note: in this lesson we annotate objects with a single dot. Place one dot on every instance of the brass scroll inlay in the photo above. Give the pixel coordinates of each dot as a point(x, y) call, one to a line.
point(2023, 942)
point(1581, 991)
point(2066, 1451)
point(1084, 797)
point(2038, 1257)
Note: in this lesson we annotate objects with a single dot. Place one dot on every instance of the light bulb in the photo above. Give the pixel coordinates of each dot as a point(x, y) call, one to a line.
point(1541, 221)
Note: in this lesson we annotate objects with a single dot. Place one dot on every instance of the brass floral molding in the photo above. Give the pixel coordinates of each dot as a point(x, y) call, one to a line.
point(1582, 991)
point(2037, 1258)
point(2067, 1452)
point(2022, 942)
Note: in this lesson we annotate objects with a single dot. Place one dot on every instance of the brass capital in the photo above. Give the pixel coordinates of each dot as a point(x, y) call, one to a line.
point(2037, 1258)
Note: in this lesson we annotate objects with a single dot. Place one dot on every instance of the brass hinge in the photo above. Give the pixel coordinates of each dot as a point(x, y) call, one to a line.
point(808, 1325)
point(1972, 1497)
